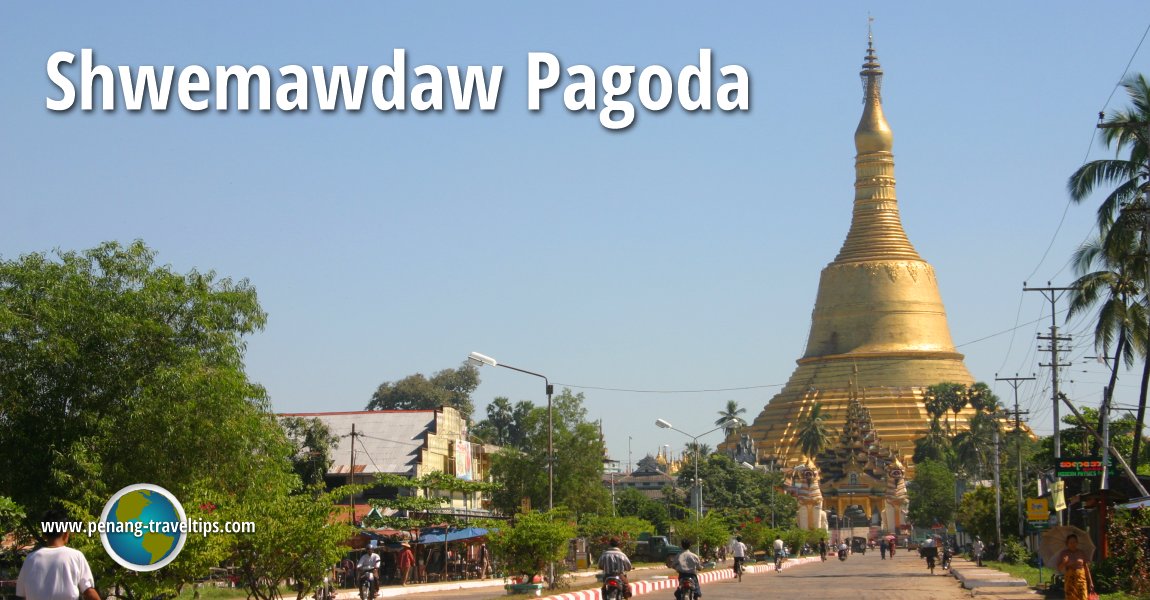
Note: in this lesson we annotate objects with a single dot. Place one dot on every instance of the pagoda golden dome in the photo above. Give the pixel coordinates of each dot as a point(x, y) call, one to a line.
point(879, 328)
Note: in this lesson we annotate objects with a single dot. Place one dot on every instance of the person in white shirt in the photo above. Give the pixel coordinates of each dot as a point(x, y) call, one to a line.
point(739, 551)
point(978, 547)
point(369, 563)
point(55, 571)
point(687, 563)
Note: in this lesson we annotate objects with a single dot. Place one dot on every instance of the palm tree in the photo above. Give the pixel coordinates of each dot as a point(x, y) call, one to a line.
point(933, 445)
point(730, 416)
point(1115, 288)
point(936, 406)
point(1123, 128)
point(981, 398)
point(943, 397)
point(814, 435)
point(1126, 128)
point(956, 394)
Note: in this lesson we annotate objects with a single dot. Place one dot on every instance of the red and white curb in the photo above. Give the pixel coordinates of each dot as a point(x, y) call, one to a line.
point(645, 587)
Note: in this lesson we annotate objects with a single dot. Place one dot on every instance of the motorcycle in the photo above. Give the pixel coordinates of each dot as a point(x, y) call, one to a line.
point(842, 554)
point(367, 586)
point(946, 554)
point(687, 589)
point(613, 587)
point(326, 591)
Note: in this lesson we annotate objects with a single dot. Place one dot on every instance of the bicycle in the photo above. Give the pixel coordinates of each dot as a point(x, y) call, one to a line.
point(778, 562)
point(739, 567)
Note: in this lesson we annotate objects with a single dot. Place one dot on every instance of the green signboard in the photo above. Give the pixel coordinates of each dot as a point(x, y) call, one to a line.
point(1079, 466)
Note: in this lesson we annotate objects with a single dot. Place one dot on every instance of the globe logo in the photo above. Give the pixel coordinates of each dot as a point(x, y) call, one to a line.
point(142, 528)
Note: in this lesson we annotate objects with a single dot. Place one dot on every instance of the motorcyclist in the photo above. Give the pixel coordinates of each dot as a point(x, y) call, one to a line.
point(614, 562)
point(843, 550)
point(739, 551)
point(780, 549)
point(369, 563)
point(687, 563)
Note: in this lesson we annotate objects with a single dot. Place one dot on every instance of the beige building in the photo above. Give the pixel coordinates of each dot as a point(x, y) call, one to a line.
point(411, 443)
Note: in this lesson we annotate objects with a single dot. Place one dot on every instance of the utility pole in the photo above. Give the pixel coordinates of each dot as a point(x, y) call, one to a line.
point(351, 475)
point(997, 496)
point(1014, 383)
point(1053, 294)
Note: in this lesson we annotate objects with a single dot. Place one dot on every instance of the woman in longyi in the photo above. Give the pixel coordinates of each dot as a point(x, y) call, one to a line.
point(1074, 566)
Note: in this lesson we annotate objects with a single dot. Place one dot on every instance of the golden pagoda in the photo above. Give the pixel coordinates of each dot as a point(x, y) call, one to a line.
point(878, 330)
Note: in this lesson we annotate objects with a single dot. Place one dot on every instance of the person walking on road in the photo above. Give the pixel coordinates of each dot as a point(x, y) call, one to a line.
point(977, 548)
point(1075, 568)
point(405, 562)
point(882, 548)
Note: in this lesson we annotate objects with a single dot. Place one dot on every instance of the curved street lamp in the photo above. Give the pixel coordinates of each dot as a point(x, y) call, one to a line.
point(695, 439)
point(479, 360)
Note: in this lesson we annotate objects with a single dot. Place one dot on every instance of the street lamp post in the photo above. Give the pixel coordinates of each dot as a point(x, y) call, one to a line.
point(695, 439)
point(482, 359)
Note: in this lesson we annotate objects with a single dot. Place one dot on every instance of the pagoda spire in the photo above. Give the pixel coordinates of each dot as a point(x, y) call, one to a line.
point(876, 231)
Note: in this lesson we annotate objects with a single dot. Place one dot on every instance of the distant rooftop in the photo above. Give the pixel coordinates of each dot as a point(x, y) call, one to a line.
point(388, 441)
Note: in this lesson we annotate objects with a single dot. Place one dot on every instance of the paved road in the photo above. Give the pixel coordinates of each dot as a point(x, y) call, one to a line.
point(861, 577)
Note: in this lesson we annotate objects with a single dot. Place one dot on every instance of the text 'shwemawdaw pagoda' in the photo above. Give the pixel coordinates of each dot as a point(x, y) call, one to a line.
point(878, 339)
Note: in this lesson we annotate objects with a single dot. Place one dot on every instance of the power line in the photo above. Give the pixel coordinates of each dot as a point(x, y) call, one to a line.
point(1093, 134)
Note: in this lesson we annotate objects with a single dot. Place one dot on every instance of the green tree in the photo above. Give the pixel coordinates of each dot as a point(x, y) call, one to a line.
point(976, 512)
point(814, 435)
point(312, 443)
point(1111, 269)
point(599, 530)
point(419, 501)
point(531, 541)
point(943, 397)
point(933, 446)
point(630, 502)
point(90, 338)
point(712, 531)
point(449, 387)
point(578, 452)
point(115, 370)
point(505, 425)
point(729, 418)
point(931, 494)
point(730, 488)
point(1125, 130)
point(296, 540)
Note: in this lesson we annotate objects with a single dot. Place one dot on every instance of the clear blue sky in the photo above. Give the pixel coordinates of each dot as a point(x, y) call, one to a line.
point(683, 253)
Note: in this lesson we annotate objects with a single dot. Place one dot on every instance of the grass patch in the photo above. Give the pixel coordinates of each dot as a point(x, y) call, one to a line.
point(1030, 574)
point(211, 592)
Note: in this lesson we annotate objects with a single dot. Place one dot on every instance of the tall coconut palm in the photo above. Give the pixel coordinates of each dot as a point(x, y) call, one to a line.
point(731, 417)
point(814, 435)
point(1125, 129)
point(1109, 268)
